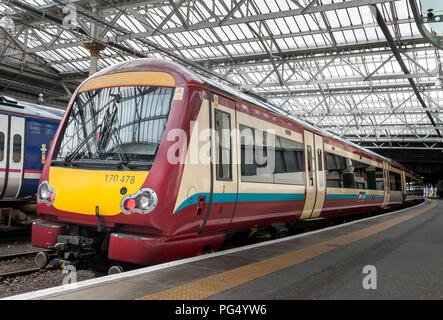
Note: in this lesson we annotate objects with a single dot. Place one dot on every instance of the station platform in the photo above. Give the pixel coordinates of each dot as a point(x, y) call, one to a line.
point(404, 248)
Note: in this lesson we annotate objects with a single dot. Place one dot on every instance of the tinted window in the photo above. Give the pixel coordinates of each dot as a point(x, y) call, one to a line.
point(288, 161)
point(343, 172)
point(380, 185)
point(335, 166)
point(2, 146)
point(370, 176)
point(267, 158)
point(17, 148)
point(320, 161)
point(223, 129)
point(395, 181)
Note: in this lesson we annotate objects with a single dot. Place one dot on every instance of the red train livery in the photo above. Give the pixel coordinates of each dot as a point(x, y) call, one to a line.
point(153, 163)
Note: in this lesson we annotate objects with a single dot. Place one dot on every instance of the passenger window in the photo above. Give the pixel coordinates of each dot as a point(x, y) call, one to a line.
point(17, 148)
point(2, 146)
point(395, 181)
point(259, 149)
point(223, 141)
point(370, 173)
point(380, 184)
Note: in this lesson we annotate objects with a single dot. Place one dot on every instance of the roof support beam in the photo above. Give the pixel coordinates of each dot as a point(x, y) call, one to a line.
point(397, 55)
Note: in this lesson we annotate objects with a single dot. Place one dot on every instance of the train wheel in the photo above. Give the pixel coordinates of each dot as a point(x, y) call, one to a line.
point(41, 259)
point(115, 270)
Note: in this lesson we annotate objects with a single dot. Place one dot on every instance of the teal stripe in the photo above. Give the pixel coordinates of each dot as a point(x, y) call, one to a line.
point(341, 196)
point(352, 196)
point(250, 197)
point(242, 197)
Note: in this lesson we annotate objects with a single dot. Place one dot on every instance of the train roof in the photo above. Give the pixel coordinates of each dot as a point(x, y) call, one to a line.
point(191, 75)
point(8, 104)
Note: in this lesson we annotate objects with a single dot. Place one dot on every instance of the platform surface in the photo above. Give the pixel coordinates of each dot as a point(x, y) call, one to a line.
point(405, 247)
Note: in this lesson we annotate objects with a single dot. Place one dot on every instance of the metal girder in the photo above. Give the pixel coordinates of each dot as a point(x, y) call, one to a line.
point(211, 44)
point(397, 55)
point(336, 74)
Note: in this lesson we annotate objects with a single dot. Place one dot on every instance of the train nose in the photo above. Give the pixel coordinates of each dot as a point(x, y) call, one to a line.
point(82, 191)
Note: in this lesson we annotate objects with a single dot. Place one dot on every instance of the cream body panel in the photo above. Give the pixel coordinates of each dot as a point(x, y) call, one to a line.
point(196, 175)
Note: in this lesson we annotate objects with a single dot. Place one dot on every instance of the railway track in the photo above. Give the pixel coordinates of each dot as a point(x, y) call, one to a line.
point(19, 272)
point(23, 271)
point(17, 255)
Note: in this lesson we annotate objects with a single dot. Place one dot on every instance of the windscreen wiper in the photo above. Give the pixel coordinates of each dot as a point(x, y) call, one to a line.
point(71, 156)
point(139, 164)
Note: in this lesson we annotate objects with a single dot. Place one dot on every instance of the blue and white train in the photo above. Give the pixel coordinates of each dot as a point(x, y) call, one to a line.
point(26, 132)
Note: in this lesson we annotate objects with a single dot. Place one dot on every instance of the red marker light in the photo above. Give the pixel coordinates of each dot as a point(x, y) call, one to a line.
point(130, 204)
point(51, 196)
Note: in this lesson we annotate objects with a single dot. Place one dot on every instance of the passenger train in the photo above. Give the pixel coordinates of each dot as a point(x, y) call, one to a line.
point(127, 177)
point(26, 131)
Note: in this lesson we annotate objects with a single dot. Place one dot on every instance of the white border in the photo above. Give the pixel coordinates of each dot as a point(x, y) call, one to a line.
point(112, 278)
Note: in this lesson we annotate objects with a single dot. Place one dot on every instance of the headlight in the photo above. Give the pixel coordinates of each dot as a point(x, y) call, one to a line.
point(45, 193)
point(144, 201)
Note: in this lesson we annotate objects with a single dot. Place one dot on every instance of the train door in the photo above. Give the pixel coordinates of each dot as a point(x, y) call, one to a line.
point(403, 186)
point(387, 184)
point(223, 196)
point(315, 175)
point(3, 149)
point(15, 157)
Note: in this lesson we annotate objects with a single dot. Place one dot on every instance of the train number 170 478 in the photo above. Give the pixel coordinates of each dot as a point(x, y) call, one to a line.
point(118, 178)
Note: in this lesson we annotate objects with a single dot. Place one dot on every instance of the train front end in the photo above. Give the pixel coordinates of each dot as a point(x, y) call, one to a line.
point(108, 188)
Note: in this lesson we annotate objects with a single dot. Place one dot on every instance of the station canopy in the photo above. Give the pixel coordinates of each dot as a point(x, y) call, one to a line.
point(324, 61)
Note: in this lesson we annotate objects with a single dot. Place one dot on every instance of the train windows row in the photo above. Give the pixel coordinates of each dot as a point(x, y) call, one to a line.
point(258, 148)
point(343, 172)
point(413, 186)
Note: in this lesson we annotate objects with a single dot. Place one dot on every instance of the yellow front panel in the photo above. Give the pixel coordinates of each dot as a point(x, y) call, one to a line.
point(80, 191)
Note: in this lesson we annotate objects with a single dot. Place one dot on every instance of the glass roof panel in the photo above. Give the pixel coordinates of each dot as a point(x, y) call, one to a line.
point(319, 55)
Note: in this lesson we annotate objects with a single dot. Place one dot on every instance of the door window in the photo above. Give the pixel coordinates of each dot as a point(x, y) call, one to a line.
point(223, 142)
point(2, 146)
point(311, 179)
point(17, 148)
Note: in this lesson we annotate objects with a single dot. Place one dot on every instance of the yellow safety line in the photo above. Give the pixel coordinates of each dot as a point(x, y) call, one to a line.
point(203, 288)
